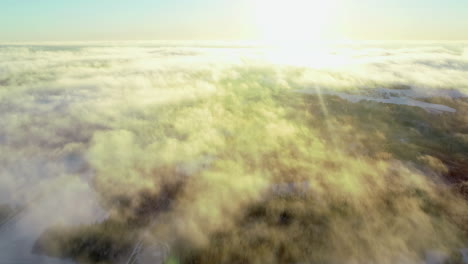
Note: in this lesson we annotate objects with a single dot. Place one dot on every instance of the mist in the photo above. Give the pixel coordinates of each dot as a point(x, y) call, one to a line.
point(216, 153)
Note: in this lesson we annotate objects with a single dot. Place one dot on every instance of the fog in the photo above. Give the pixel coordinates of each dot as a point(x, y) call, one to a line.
point(100, 132)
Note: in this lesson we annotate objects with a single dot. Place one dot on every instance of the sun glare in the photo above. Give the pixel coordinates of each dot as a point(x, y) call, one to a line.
point(293, 22)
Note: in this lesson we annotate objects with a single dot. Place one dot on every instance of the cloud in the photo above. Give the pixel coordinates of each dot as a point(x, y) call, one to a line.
point(105, 123)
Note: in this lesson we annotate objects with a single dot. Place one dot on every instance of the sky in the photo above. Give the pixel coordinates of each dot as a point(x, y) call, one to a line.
point(58, 20)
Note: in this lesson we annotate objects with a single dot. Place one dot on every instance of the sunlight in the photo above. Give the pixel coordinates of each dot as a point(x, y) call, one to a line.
point(298, 22)
point(319, 56)
point(296, 32)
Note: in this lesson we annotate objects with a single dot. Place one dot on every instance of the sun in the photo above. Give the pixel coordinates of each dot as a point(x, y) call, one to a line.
point(286, 22)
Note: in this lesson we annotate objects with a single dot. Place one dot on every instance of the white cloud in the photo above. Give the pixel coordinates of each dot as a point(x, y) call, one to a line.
point(68, 113)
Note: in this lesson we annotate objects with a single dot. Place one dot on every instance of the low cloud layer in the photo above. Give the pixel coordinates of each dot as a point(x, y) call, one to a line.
point(84, 126)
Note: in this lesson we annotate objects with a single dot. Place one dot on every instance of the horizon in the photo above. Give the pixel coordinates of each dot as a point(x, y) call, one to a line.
point(223, 132)
point(240, 43)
